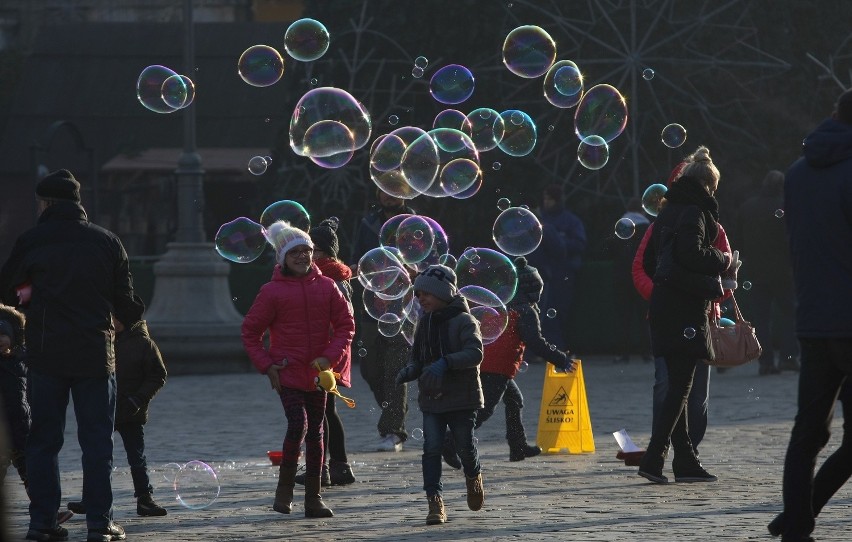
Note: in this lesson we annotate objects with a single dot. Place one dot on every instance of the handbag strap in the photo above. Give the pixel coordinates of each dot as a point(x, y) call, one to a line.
point(737, 314)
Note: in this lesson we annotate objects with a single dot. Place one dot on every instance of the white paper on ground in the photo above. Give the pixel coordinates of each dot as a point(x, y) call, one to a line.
point(625, 442)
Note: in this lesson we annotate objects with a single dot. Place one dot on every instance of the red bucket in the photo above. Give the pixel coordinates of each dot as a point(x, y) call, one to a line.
point(275, 457)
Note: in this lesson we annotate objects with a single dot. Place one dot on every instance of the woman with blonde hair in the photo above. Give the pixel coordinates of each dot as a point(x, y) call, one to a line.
point(687, 270)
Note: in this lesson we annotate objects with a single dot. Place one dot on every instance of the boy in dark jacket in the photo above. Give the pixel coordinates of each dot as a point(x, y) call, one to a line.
point(502, 360)
point(140, 373)
point(445, 356)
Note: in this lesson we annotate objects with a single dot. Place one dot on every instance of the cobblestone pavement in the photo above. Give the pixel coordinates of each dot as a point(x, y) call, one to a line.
point(230, 421)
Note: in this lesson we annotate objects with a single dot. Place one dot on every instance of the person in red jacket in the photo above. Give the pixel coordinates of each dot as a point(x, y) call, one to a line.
point(644, 282)
point(336, 470)
point(502, 359)
point(297, 307)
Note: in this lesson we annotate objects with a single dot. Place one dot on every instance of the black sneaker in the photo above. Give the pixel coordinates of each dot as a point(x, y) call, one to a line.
point(111, 532)
point(48, 535)
point(145, 506)
point(694, 474)
point(519, 454)
point(76, 507)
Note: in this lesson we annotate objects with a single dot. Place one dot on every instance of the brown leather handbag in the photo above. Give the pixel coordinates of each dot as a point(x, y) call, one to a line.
point(734, 345)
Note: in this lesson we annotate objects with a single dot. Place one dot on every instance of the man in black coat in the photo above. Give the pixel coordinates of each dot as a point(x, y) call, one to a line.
point(818, 210)
point(79, 276)
point(764, 245)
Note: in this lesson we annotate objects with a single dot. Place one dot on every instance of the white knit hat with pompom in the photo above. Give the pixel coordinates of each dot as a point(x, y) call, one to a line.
point(283, 237)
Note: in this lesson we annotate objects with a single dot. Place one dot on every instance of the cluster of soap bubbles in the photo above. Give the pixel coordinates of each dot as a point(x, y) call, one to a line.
point(262, 65)
point(196, 484)
point(420, 65)
point(243, 240)
point(162, 90)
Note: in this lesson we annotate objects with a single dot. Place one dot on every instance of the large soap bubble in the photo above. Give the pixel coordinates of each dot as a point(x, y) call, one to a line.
point(601, 112)
point(149, 88)
point(561, 80)
point(528, 51)
point(240, 240)
point(414, 239)
point(593, 152)
point(517, 231)
point(519, 134)
point(488, 269)
point(260, 66)
point(379, 268)
point(329, 104)
point(444, 151)
point(487, 128)
point(306, 40)
point(196, 485)
point(487, 308)
point(288, 210)
point(452, 84)
point(385, 160)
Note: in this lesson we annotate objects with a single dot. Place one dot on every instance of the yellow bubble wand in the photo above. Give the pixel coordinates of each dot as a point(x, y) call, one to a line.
point(327, 382)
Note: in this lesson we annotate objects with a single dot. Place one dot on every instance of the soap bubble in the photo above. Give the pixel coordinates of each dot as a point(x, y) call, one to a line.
point(567, 80)
point(528, 51)
point(747, 285)
point(452, 84)
point(149, 88)
point(652, 198)
point(240, 240)
point(488, 309)
point(306, 40)
point(393, 120)
point(196, 485)
point(689, 333)
point(454, 119)
point(488, 269)
point(487, 128)
point(647, 74)
point(503, 204)
point(260, 66)
point(291, 211)
point(593, 152)
point(517, 231)
point(178, 91)
point(519, 134)
point(257, 165)
point(602, 112)
point(624, 228)
point(336, 109)
point(779, 213)
point(673, 135)
point(551, 313)
point(421, 62)
point(556, 91)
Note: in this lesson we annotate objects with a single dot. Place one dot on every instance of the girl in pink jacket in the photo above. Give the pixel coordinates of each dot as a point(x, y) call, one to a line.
point(297, 307)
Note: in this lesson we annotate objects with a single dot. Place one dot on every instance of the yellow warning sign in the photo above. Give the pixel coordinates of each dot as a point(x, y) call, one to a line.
point(564, 423)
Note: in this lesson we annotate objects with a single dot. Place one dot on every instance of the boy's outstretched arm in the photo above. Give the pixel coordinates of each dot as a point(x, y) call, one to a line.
point(529, 328)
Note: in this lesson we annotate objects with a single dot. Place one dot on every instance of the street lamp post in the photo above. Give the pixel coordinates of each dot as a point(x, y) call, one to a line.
point(191, 316)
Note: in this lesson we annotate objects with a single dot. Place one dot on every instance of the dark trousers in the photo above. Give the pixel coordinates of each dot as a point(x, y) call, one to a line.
point(334, 436)
point(379, 368)
point(826, 364)
point(697, 404)
point(772, 311)
point(496, 387)
point(305, 412)
point(94, 408)
point(133, 438)
point(671, 423)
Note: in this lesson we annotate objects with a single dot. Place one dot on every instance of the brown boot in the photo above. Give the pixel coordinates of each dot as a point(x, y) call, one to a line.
point(437, 514)
point(284, 491)
point(475, 492)
point(314, 507)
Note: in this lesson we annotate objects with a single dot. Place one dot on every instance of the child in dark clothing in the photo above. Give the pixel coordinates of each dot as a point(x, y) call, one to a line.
point(14, 393)
point(13, 388)
point(139, 374)
point(502, 359)
point(447, 343)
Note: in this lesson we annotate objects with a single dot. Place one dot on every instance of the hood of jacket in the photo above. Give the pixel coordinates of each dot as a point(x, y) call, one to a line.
point(690, 191)
point(829, 144)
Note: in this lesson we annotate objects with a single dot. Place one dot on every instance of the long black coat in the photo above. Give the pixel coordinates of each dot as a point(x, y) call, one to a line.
point(693, 215)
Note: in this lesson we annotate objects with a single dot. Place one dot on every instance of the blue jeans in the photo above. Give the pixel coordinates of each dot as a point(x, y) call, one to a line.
point(435, 424)
point(826, 364)
point(94, 408)
point(697, 403)
point(133, 437)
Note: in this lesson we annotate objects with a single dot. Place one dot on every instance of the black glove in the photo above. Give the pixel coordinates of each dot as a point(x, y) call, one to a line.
point(409, 373)
point(569, 366)
point(433, 376)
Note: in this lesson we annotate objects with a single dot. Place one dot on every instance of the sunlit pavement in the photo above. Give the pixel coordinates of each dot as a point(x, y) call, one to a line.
point(230, 421)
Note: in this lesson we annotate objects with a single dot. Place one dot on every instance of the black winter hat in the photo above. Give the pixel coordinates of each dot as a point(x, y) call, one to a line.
point(59, 184)
point(324, 236)
point(530, 284)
